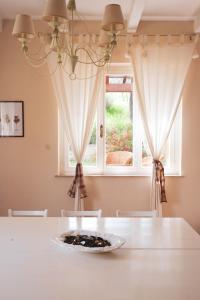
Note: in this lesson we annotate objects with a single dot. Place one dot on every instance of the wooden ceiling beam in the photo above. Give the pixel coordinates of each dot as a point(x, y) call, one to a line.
point(197, 23)
point(135, 15)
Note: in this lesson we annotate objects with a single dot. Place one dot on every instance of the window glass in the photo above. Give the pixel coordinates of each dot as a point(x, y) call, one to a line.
point(119, 121)
point(147, 157)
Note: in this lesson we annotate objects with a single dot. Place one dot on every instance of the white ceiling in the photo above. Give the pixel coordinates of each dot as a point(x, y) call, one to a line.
point(93, 9)
point(171, 8)
point(152, 8)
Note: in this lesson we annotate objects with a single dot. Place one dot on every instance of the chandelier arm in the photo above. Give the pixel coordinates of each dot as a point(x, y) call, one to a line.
point(35, 65)
point(66, 49)
point(97, 55)
point(67, 53)
point(38, 59)
point(55, 43)
point(34, 61)
point(109, 50)
point(92, 60)
point(94, 63)
point(84, 49)
point(37, 51)
point(84, 78)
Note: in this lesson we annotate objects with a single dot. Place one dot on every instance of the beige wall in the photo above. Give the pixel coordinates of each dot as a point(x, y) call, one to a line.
point(28, 164)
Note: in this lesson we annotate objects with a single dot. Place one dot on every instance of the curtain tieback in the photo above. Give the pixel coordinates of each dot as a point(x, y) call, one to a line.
point(160, 178)
point(78, 182)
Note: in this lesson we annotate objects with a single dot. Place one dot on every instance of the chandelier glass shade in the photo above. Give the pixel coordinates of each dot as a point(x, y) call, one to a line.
point(62, 40)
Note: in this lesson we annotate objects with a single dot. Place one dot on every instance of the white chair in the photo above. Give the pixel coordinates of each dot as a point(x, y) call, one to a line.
point(137, 213)
point(81, 213)
point(27, 213)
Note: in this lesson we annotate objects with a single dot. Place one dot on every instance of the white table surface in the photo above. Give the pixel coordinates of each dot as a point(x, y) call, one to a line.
point(161, 260)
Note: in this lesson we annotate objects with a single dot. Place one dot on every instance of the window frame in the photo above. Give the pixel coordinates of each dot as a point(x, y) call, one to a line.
point(64, 168)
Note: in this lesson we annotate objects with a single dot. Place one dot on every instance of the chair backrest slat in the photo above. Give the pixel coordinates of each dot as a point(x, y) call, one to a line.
point(82, 213)
point(137, 214)
point(27, 213)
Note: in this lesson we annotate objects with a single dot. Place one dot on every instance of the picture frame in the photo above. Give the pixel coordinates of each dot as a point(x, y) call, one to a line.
point(11, 118)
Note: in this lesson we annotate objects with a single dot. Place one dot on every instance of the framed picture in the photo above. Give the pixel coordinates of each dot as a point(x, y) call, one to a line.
point(11, 118)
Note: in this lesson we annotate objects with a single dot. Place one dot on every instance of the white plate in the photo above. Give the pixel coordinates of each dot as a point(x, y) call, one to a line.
point(116, 241)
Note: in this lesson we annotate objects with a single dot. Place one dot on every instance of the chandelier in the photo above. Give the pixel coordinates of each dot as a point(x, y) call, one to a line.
point(62, 40)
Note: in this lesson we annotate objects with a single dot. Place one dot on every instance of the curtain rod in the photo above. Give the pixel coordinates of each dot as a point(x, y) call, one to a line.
point(139, 34)
point(157, 34)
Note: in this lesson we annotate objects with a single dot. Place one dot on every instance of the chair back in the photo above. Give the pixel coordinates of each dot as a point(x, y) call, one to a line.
point(137, 213)
point(81, 213)
point(27, 213)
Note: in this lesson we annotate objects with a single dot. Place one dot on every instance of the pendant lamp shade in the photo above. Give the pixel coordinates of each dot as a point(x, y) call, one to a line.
point(55, 9)
point(23, 27)
point(113, 19)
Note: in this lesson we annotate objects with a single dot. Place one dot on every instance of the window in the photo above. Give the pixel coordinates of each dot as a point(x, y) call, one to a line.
point(118, 145)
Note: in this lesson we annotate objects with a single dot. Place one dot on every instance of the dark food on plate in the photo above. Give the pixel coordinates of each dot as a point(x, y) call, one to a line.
point(86, 241)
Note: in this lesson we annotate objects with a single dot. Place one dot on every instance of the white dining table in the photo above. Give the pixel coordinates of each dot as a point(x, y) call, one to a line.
point(159, 261)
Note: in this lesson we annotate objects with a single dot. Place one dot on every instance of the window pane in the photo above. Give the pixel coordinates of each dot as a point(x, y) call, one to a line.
point(147, 157)
point(91, 151)
point(119, 80)
point(72, 161)
point(119, 128)
point(146, 154)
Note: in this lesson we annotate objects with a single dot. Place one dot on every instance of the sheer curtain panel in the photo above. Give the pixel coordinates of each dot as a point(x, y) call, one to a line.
point(160, 66)
point(77, 100)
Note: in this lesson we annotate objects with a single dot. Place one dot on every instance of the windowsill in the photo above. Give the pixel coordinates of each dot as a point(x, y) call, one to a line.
point(117, 175)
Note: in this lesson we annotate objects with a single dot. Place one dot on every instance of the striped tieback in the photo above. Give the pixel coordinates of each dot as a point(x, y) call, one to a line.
point(160, 178)
point(78, 180)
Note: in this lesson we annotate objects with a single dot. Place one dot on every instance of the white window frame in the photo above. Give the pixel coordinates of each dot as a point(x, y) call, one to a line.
point(174, 164)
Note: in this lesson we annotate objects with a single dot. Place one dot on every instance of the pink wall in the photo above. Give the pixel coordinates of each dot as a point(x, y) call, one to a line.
point(29, 164)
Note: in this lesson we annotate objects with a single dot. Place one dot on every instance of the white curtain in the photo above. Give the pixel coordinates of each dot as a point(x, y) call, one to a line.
point(77, 101)
point(160, 67)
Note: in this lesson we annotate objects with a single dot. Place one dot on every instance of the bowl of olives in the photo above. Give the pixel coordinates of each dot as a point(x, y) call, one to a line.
point(89, 241)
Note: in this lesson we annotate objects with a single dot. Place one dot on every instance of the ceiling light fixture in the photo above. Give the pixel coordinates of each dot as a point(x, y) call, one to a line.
point(62, 40)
